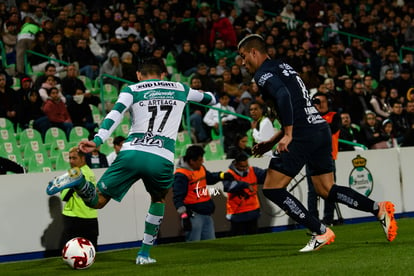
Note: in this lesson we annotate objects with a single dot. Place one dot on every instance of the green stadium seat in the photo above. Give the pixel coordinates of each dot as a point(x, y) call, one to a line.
point(62, 161)
point(214, 151)
point(78, 134)
point(183, 139)
point(31, 148)
point(52, 134)
point(7, 135)
point(39, 162)
point(29, 134)
point(108, 146)
point(6, 124)
point(88, 83)
point(110, 93)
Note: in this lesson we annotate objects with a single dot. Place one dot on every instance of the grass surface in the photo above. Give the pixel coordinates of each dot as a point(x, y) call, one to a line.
point(359, 249)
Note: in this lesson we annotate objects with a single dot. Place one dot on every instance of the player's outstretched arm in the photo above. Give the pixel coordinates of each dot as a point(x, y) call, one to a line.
point(87, 146)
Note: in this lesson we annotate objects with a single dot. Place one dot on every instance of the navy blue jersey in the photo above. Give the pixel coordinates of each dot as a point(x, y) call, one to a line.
point(280, 84)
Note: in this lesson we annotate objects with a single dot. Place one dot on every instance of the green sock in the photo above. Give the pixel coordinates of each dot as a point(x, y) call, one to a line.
point(87, 191)
point(152, 225)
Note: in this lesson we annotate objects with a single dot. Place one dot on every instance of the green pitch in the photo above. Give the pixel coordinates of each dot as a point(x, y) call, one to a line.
point(359, 249)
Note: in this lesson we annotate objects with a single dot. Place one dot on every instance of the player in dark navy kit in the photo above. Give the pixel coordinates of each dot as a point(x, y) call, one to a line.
point(305, 139)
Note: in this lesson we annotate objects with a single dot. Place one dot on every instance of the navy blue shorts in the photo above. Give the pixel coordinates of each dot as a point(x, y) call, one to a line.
point(314, 150)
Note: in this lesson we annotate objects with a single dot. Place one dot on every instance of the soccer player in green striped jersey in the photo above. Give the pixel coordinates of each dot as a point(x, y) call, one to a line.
point(156, 108)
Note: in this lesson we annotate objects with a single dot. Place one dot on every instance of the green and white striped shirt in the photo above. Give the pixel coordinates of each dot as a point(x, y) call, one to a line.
point(156, 109)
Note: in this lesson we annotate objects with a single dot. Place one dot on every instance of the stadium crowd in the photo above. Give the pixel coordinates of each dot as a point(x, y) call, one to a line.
point(360, 53)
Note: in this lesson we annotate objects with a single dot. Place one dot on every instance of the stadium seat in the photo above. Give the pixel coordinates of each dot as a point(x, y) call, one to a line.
point(96, 114)
point(108, 146)
point(249, 138)
point(57, 147)
point(6, 124)
point(110, 93)
point(62, 161)
point(9, 147)
point(78, 134)
point(183, 139)
point(31, 148)
point(214, 151)
point(88, 83)
point(52, 134)
point(29, 134)
point(16, 83)
point(39, 162)
point(7, 135)
point(170, 63)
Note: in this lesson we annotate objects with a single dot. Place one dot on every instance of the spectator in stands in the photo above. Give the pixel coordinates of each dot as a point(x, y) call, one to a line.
point(221, 51)
point(113, 67)
point(47, 85)
point(348, 69)
point(389, 81)
point(149, 43)
point(228, 121)
point(204, 56)
point(262, 127)
point(360, 57)
point(118, 142)
point(380, 104)
point(50, 70)
point(404, 82)
point(399, 119)
point(124, 30)
point(88, 63)
point(197, 113)
point(186, 60)
point(79, 110)
point(71, 82)
point(245, 99)
point(104, 37)
point(56, 111)
point(9, 38)
point(331, 68)
point(371, 133)
point(8, 101)
point(391, 62)
point(231, 87)
point(239, 146)
point(96, 159)
point(59, 52)
point(408, 140)
point(25, 39)
point(393, 97)
point(207, 83)
point(387, 129)
point(348, 132)
point(358, 103)
point(32, 114)
point(96, 49)
point(40, 46)
point(129, 69)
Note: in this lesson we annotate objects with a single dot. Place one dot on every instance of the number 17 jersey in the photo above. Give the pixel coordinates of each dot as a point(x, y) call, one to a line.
point(156, 108)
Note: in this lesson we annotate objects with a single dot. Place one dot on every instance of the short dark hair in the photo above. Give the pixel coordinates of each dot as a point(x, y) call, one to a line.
point(193, 153)
point(241, 157)
point(152, 65)
point(253, 41)
point(118, 140)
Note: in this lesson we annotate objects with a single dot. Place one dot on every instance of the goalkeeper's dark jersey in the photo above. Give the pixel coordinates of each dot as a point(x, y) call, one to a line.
point(281, 86)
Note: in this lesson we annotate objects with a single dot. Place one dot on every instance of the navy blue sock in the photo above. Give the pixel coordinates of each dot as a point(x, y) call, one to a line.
point(294, 209)
point(352, 199)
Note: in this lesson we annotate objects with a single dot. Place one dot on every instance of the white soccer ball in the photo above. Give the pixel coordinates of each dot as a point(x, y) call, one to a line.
point(79, 253)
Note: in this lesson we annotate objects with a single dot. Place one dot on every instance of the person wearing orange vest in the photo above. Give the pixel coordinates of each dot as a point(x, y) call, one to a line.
point(243, 206)
point(322, 104)
point(192, 197)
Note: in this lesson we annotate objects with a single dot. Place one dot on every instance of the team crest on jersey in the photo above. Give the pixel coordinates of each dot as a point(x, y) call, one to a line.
point(264, 78)
point(360, 178)
point(148, 140)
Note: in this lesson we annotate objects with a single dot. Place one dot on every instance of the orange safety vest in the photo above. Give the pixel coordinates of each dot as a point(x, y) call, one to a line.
point(237, 203)
point(335, 136)
point(197, 185)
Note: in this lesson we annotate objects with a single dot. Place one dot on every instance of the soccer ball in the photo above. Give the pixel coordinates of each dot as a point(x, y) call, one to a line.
point(79, 253)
